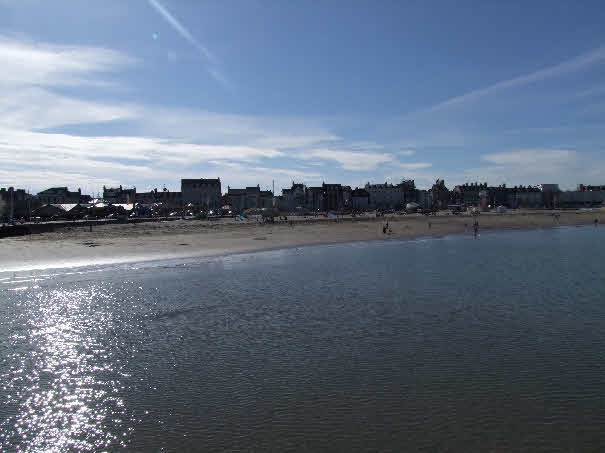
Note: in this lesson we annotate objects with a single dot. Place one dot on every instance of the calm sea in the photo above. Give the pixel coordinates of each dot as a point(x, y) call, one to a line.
point(450, 344)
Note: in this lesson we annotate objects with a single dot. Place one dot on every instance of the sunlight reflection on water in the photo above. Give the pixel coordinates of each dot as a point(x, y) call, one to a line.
point(62, 381)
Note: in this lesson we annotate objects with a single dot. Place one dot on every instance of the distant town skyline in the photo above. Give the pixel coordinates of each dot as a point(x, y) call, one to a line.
point(147, 92)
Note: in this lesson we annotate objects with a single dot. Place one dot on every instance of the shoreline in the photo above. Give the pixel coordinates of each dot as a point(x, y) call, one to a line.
point(130, 243)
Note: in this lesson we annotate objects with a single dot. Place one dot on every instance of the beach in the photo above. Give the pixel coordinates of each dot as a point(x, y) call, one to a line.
point(116, 243)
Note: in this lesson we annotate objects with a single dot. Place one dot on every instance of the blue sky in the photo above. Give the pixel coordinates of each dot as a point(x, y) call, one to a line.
point(146, 92)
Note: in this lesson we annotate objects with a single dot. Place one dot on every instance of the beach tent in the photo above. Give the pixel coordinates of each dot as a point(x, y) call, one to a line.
point(49, 210)
point(261, 212)
point(412, 207)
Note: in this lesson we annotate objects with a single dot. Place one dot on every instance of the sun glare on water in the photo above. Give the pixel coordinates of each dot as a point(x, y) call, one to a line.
point(62, 383)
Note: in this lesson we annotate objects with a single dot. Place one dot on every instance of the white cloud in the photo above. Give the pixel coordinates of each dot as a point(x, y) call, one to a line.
point(30, 70)
point(20, 144)
point(37, 108)
point(209, 127)
point(30, 63)
point(113, 158)
point(166, 143)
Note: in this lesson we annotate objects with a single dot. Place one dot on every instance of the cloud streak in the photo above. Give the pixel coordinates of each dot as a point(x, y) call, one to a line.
point(572, 65)
point(213, 69)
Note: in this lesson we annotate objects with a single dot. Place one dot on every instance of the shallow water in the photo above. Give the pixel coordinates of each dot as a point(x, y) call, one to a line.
point(450, 344)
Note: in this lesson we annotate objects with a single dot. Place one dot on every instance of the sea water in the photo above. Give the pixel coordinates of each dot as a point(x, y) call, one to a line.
point(494, 343)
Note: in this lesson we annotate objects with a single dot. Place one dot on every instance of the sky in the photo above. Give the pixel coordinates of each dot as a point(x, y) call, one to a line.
point(146, 92)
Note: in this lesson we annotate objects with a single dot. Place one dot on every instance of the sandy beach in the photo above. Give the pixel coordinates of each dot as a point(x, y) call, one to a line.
point(188, 238)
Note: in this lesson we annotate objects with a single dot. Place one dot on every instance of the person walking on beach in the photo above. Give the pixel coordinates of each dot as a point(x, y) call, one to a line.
point(596, 222)
point(429, 224)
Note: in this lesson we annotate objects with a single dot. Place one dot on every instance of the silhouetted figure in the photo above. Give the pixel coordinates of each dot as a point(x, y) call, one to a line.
point(475, 228)
point(596, 222)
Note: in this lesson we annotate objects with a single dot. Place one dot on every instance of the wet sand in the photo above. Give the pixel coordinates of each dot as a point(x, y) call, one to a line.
point(188, 238)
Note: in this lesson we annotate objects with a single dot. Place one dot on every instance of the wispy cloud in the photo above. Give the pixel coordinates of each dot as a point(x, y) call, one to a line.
point(349, 160)
point(29, 63)
point(294, 141)
point(31, 71)
point(212, 68)
point(40, 146)
point(532, 157)
point(37, 108)
point(147, 159)
point(406, 152)
point(575, 64)
point(413, 165)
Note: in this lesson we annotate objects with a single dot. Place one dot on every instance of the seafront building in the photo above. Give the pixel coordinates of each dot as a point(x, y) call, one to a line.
point(470, 194)
point(16, 203)
point(249, 198)
point(391, 196)
point(360, 199)
point(327, 197)
point(583, 188)
point(204, 194)
point(165, 197)
point(62, 195)
point(119, 195)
